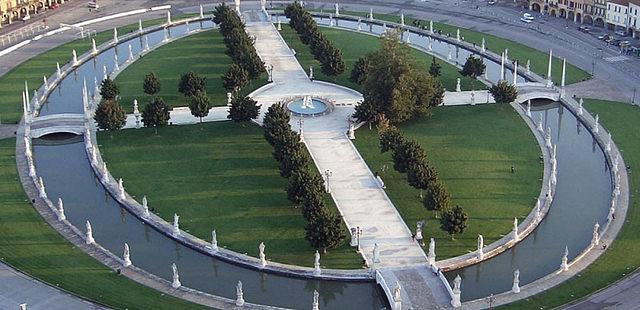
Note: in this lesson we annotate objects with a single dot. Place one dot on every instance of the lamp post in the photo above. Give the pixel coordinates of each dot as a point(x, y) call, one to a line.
point(358, 233)
point(327, 176)
point(633, 99)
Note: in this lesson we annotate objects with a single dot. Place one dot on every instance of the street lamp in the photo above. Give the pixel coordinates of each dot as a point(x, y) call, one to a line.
point(358, 233)
point(633, 99)
point(327, 175)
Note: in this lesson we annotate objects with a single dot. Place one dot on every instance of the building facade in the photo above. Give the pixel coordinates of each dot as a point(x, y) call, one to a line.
point(634, 18)
point(617, 15)
point(14, 10)
point(580, 11)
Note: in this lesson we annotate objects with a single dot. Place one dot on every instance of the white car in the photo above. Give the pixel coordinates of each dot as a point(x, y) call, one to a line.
point(527, 16)
point(525, 20)
point(93, 5)
point(26, 18)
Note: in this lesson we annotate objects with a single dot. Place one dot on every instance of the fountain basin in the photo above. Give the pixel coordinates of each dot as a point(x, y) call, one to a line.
point(307, 106)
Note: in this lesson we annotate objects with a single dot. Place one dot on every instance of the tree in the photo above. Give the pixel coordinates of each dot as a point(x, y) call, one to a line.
point(243, 109)
point(110, 115)
point(406, 154)
point(421, 176)
point(109, 90)
point(291, 154)
point(454, 221)
point(313, 205)
point(325, 231)
point(235, 78)
point(199, 105)
point(390, 138)
point(191, 83)
point(332, 63)
point(473, 67)
point(303, 183)
point(151, 85)
point(359, 71)
point(275, 123)
point(155, 114)
point(437, 198)
point(434, 68)
point(503, 92)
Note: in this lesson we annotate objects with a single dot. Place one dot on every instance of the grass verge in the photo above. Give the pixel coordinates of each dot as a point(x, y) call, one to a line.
point(621, 258)
point(473, 157)
point(355, 45)
point(202, 53)
point(32, 246)
point(218, 175)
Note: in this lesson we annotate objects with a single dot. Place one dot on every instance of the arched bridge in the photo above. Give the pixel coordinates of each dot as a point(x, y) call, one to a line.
point(57, 123)
point(531, 91)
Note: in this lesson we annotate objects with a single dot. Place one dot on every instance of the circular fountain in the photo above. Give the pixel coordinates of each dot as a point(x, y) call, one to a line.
point(306, 106)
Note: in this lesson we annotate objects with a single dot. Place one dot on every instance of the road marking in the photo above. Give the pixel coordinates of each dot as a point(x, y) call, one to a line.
point(616, 58)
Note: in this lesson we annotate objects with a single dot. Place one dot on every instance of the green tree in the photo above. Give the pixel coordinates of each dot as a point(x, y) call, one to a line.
point(235, 78)
point(360, 70)
point(390, 138)
point(324, 231)
point(109, 90)
point(243, 109)
point(191, 83)
point(276, 123)
point(110, 115)
point(434, 68)
point(151, 85)
point(437, 198)
point(421, 176)
point(303, 183)
point(155, 114)
point(333, 64)
point(199, 105)
point(291, 154)
point(313, 205)
point(503, 92)
point(454, 221)
point(406, 154)
point(473, 67)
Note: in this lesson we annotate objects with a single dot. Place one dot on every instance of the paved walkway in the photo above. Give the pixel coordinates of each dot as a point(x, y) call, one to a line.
point(18, 288)
point(357, 194)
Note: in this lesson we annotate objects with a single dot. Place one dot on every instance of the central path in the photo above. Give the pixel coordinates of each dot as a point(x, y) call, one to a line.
point(358, 196)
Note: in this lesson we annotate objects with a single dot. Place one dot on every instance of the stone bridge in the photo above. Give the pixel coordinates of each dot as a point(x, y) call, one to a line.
point(531, 91)
point(57, 123)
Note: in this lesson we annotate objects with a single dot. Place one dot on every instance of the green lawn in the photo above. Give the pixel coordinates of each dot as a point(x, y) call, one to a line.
point(220, 175)
point(203, 53)
point(621, 258)
point(31, 245)
point(473, 156)
point(355, 45)
point(32, 70)
point(539, 59)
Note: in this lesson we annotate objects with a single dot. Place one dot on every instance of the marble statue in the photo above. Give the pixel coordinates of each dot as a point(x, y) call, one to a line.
point(58, 71)
point(126, 257)
point(458, 89)
point(564, 266)
point(130, 53)
point(214, 240)
point(94, 49)
point(595, 240)
point(145, 206)
point(75, 58)
point(316, 264)
point(140, 24)
point(115, 35)
point(121, 189)
point(431, 255)
point(529, 108)
point(175, 283)
point(89, 235)
point(376, 253)
point(482, 45)
point(337, 12)
point(516, 237)
point(168, 17)
point(480, 255)
point(516, 282)
point(61, 216)
point(455, 299)
point(176, 224)
point(596, 125)
point(263, 258)
point(239, 295)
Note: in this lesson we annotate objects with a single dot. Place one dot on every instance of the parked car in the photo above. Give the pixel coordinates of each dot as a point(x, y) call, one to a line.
point(527, 16)
point(491, 2)
point(621, 33)
point(93, 5)
point(525, 20)
point(26, 18)
point(55, 6)
point(603, 37)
